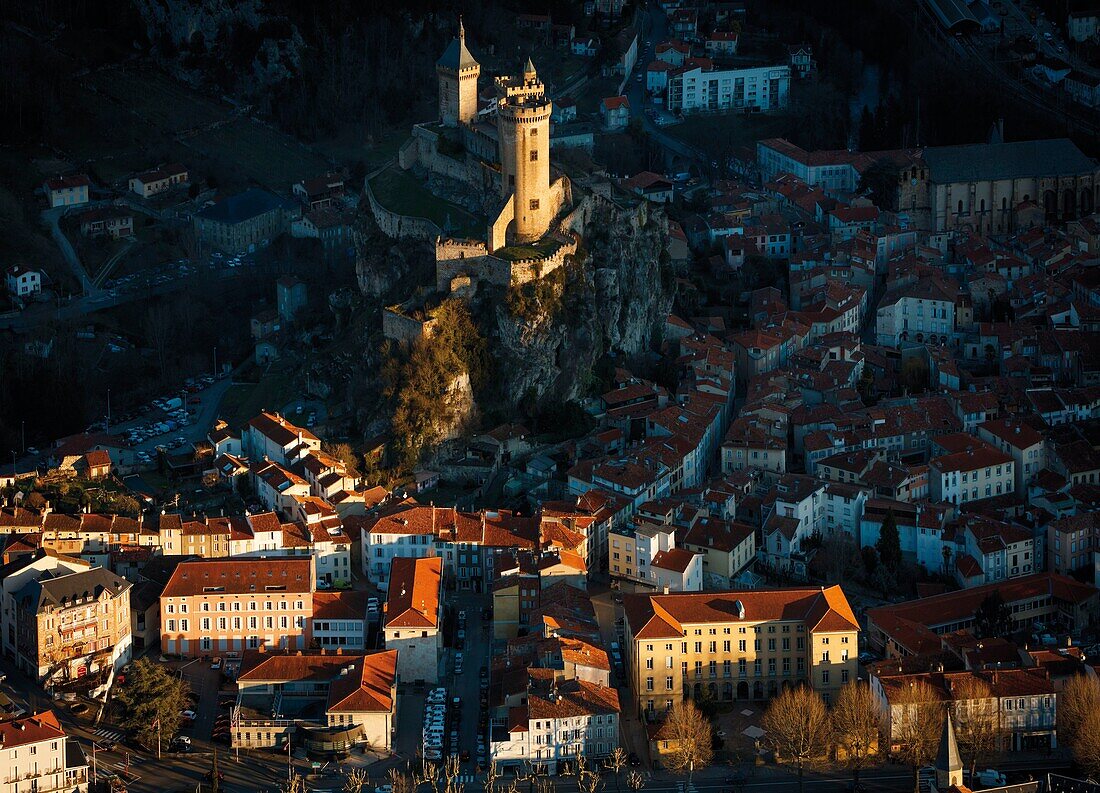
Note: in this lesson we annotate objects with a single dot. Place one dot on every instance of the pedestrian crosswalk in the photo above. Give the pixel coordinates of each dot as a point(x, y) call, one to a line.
point(107, 734)
point(685, 787)
point(466, 779)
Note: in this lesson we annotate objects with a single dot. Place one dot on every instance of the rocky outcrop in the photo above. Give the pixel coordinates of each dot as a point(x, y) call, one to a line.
point(386, 269)
point(610, 298)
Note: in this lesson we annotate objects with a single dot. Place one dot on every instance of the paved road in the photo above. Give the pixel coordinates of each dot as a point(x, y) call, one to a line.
point(52, 217)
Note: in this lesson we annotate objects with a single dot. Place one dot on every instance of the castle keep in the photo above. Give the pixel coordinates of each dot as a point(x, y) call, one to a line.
point(505, 150)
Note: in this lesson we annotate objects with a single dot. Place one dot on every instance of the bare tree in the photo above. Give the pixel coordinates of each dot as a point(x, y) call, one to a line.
point(402, 783)
point(1086, 747)
point(1078, 699)
point(916, 724)
point(294, 783)
point(588, 781)
point(797, 726)
point(615, 763)
point(635, 781)
point(977, 720)
point(355, 780)
point(856, 726)
point(689, 735)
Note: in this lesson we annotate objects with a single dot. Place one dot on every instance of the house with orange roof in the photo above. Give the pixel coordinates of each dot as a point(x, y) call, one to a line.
point(677, 570)
point(270, 436)
point(412, 618)
point(737, 645)
point(339, 619)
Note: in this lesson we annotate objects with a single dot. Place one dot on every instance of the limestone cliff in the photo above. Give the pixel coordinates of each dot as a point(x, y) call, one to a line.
point(611, 298)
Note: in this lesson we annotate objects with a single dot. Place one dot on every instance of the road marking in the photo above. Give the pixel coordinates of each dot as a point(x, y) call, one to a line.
point(110, 735)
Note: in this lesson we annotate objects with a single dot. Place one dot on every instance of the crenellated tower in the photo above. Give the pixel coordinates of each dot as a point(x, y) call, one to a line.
point(523, 123)
point(458, 74)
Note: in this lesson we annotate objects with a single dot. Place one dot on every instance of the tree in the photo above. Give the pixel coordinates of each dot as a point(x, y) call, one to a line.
point(977, 722)
point(635, 781)
point(294, 783)
point(797, 726)
point(345, 454)
point(690, 736)
point(1086, 748)
point(889, 542)
point(1078, 699)
point(993, 617)
point(916, 723)
point(856, 726)
point(615, 763)
point(355, 780)
point(152, 695)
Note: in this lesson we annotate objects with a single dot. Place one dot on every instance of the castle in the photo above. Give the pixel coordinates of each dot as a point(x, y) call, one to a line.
point(506, 152)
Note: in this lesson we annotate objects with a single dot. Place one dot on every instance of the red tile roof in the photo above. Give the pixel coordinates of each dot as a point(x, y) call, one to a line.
point(35, 728)
point(413, 600)
point(240, 576)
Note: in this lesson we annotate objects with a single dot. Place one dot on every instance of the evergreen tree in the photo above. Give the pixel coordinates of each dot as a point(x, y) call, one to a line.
point(889, 543)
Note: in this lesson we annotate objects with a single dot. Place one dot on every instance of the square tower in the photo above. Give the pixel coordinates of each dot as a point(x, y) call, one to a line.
point(458, 72)
point(523, 123)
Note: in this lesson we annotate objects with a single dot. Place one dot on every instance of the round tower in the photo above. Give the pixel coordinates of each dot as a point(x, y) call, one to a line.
point(458, 73)
point(523, 121)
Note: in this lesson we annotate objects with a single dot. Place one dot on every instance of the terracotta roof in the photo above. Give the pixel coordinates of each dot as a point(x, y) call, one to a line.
point(239, 576)
point(279, 430)
point(413, 600)
point(63, 182)
point(676, 559)
point(349, 604)
point(663, 616)
point(571, 699)
point(615, 102)
point(366, 685)
point(35, 728)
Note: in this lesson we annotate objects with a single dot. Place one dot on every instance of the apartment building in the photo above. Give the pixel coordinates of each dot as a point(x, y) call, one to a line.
point(738, 644)
point(916, 626)
point(1072, 542)
point(412, 617)
point(750, 443)
point(37, 757)
point(72, 625)
point(350, 699)
point(1024, 702)
point(923, 311)
point(968, 469)
point(677, 570)
point(558, 720)
point(726, 549)
point(1025, 444)
point(238, 604)
point(270, 436)
point(699, 89)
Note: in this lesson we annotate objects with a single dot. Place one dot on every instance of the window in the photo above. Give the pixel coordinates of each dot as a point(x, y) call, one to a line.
point(534, 155)
point(534, 205)
point(668, 683)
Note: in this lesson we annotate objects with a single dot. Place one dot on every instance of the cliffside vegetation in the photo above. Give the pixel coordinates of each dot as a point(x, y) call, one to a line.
point(428, 386)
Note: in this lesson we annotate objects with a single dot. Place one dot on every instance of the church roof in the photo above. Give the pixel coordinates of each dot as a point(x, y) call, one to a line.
point(1021, 159)
point(457, 56)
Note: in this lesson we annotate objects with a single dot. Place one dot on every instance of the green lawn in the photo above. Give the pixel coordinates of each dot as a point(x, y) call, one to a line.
point(158, 99)
point(539, 250)
point(400, 192)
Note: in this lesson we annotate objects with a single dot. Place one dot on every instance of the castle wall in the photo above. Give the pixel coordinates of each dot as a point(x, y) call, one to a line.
point(526, 270)
point(403, 329)
point(498, 229)
point(398, 226)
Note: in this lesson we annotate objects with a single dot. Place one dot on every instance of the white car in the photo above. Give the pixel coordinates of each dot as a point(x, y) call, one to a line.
point(189, 715)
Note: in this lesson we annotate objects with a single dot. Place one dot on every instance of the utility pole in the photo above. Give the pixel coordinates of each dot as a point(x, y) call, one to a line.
point(107, 428)
point(215, 360)
point(23, 430)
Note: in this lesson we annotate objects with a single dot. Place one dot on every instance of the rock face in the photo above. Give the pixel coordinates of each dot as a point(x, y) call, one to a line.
point(382, 265)
point(201, 29)
point(613, 298)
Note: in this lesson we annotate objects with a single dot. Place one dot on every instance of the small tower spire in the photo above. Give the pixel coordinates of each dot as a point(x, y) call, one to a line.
point(529, 69)
point(461, 30)
point(948, 763)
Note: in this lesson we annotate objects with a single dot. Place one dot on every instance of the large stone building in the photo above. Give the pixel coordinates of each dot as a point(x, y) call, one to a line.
point(983, 187)
point(238, 604)
point(242, 222)
point(72, 625)
point(738, 645)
